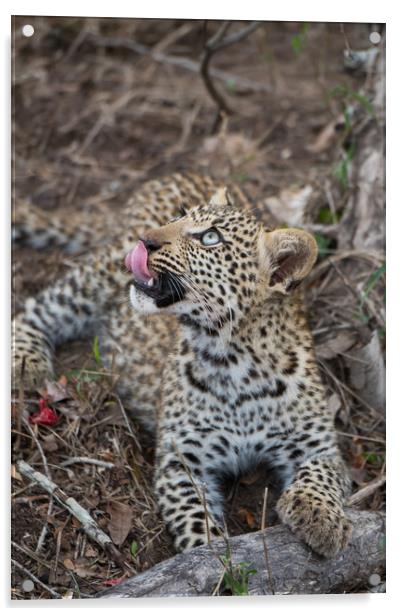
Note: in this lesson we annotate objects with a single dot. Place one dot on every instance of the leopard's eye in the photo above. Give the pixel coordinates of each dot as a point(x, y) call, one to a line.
point(210, 238)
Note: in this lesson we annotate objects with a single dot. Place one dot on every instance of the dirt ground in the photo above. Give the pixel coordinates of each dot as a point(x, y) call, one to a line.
point(94, 117)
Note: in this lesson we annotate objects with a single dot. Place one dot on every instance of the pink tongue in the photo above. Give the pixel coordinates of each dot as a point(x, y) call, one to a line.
point(136, 262)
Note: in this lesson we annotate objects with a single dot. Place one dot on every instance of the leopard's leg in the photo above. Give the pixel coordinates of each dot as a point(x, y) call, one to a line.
point(189, 498)
point(69, 309)
point(316, 487)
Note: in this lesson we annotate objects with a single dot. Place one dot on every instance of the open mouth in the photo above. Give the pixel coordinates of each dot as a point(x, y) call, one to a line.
point(164, 287)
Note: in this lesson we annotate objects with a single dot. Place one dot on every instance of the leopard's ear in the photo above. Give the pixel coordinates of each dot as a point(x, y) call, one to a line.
point(288, 256)
point(221, 197)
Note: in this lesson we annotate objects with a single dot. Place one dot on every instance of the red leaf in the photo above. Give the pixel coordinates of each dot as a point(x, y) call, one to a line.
point(113, 581)
point(46, 416)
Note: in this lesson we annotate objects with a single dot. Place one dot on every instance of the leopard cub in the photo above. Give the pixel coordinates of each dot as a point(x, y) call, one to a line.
point(241, 386)
point(216, 309)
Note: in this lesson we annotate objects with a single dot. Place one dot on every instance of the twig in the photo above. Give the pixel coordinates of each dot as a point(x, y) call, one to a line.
point(23, 489)
point(105, 116)
point(220, 580)
point(33, 577)
point(216, 43)
point(174, 35)
point(127, 422)
point(45, 527)
point(331, 230)
point(360, 297)
point(367, 490)
point(88, 524)
point(344, 386)
point(265, 546)
point(347, 44)
point(84, 460)
point(20, 405)
point(210, 48)
point(33, 555)
point(200, 496)
point(373, 257)
point(267, 133)
point(187, 125)
point(362, 437)
point(44, 531)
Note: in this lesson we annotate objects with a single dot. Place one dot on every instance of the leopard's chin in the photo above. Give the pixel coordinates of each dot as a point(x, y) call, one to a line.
point(165, 291)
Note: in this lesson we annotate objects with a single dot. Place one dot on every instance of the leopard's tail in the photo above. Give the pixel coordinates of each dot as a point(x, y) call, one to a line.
point(39, 229)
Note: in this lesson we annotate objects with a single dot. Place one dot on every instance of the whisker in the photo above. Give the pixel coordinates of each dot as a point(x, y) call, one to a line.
point(207, 308)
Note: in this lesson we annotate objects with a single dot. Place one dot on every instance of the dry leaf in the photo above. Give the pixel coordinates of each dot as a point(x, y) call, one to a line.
point(56, 390)
point(68, 563)
point(50, 443)
point(334, 404)
point(81, 567)
point(358, 475)
point(91, 552)
point(291, 205)
point(227, 152)
point(114, 415)
point(340, 343)
point(326, 136)
point(120, 523)
point(15, 474)
point(69, 594)
point(247, 516)
point(367, 372)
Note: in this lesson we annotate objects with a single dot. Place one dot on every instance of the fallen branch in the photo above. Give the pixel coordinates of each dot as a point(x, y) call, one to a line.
point(85, 460)
point(293, 566)
point(179, 61)
point(89, 526)
point(36, 580)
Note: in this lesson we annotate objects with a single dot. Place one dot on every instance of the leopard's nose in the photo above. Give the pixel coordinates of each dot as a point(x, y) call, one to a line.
point(151, 244)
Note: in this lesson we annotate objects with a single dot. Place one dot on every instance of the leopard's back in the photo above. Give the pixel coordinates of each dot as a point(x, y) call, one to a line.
point(83, 229)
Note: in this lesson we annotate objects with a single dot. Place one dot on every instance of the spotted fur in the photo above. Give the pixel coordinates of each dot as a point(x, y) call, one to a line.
point(226, 328)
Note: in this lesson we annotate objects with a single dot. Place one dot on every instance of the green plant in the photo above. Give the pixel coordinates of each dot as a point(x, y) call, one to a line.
point(371, 283)
point(239, 176)
point(347, 95)
point(95, 350)
point(323, 243)
point(298, 40)
point(231, 85)
point(236, 577)
point(341, 171)
point(327, 217)
point(134, 548)
point(81, 377)
point(375, 459)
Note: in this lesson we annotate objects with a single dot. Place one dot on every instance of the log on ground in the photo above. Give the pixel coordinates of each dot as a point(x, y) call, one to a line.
point(286, 567)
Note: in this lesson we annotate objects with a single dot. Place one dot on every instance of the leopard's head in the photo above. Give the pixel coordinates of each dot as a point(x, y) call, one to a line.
point(215, 262)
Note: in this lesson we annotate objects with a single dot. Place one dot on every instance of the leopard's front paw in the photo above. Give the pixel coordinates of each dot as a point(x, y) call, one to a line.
point(324, 528)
